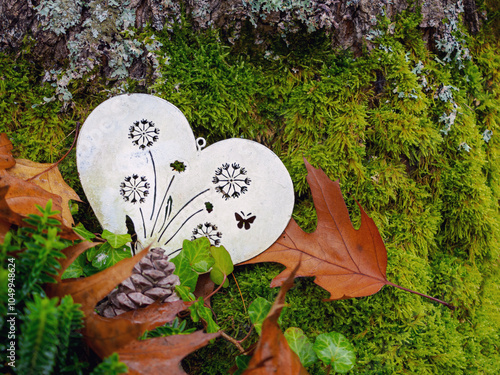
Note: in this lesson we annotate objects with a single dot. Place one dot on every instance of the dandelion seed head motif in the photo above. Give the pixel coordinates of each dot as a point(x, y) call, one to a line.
point(134, 189)
point(208, 230)
point(143, 133)
point(231, 180)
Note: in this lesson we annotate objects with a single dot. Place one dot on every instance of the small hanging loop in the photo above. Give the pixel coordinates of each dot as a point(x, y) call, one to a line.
point(200, 143)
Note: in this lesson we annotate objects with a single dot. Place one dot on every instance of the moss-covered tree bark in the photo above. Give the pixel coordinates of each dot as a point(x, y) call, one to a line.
point(90, 35)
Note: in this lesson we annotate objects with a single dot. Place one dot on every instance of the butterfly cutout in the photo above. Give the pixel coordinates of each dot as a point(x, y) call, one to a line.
point(244, 222)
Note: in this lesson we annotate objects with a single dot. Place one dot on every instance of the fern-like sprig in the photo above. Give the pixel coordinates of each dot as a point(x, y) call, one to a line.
point(39, 337)
point(70, 320)
point(41, 248)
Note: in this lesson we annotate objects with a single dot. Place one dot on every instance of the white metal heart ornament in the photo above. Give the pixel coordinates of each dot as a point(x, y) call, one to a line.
point(137, 157)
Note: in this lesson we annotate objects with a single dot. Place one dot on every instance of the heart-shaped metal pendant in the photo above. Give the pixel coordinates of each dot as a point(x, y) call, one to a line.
point(137, 157)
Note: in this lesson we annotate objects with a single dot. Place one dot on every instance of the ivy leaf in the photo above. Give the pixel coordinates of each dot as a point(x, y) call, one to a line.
point(301, 345)
point(258, 311)
point(200, 311)
point(334, 349)
point(91, 253)
point(184, 293)
point(116, 240)
point(108, 256)
point(76, 269)
point(187, 276)
point(84, 233)
point(198, 254)
point(242, 362)
point(223, 265)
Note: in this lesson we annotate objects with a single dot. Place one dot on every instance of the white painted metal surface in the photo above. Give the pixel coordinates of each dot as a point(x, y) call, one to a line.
point(130, 155)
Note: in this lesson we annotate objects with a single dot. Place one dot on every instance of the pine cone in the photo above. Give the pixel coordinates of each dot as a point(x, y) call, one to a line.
point(152, 280)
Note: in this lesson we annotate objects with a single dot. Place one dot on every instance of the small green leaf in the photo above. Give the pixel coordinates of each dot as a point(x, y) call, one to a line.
point(301, 345)
point(187, 276)
point(242, 362)
point(92, 252)
point(184, 293)
point(334, 349)
point(81, 231)
point(116, 240)
point(222, 259)
point(258, 311)
point(75, 269)
point(218, 277)
point(200, 311)
point(108, 256)
point(198, 254)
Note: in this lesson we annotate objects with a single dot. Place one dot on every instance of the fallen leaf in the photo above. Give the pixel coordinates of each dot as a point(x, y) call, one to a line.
point(204, 287)
point(162, 354)
point(107, 335)
point(19, 198)
point(273, 354)
point(344, 261)
point(6, 158)
point(50, 181)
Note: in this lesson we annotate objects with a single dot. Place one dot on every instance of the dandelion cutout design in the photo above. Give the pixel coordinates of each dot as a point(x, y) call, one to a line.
point(134, 189)
point(143, 133)
point(232, 181)
point(208, 230)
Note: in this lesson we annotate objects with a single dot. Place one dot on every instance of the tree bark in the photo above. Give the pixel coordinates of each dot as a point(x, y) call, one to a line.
point(78, 31)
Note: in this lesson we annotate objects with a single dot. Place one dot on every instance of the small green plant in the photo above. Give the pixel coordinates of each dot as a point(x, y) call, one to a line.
point(99, 257)
point(44, 329)
point(333, 348)
point(198, 257)
point(176, 327)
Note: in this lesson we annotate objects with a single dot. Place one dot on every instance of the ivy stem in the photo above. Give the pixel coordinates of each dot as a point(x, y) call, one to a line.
point(448, 305)
point(247, 336)
point(64, 156)
point(215, 290)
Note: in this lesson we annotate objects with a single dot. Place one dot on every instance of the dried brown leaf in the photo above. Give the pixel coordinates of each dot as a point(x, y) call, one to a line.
point(344, 261)
point(162, 355)
point(107, 335)
point(51, 181)
point(273, 354)
point(18, 199)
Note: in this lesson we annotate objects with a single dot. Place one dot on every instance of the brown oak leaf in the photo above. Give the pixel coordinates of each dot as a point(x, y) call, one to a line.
point(272, 354)
point(18, 199)
point(344, 261)
point(162, 355)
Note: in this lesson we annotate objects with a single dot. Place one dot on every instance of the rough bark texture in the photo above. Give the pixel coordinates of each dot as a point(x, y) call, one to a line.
point(87, 34)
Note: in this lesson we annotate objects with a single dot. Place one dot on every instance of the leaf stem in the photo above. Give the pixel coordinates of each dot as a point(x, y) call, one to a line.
point(64, 156)
point(448, 305)
point(233, 341)
point(247, 336)
point(215, 290)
